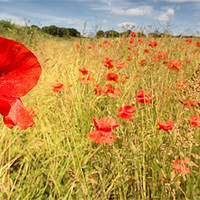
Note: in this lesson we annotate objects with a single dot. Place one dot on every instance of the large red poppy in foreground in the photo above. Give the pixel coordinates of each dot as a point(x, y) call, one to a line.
point(19, 73)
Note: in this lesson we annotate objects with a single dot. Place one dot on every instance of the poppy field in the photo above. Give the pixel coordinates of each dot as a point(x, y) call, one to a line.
point(110, 118)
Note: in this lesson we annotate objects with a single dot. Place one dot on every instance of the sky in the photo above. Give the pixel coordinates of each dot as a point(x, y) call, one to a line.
point(179, 16)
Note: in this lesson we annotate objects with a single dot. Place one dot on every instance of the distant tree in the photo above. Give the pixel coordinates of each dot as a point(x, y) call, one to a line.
point(125, 33)
point(61, 32)
point(111, 34)
point(100, 34)
point(34, 27)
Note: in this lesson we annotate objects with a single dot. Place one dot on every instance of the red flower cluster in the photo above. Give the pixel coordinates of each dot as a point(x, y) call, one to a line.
point(111, 91)
point(174, 64)
point(126, 112)
point(103, 133)
point(143, 97)
point(19, 73)
point(168, 125)
point(112, 77)
point(108, 63)
point(180, 166)
point(153, 43)
point(195, 121)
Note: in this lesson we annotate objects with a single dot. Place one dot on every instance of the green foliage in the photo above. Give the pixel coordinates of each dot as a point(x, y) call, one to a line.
point(111, 34)
point(61, 32)
point(100, 34)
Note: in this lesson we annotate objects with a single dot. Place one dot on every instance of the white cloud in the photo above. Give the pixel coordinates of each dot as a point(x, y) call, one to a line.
point(142, 10)
point(166, 16)
point(127, 24)
point(14, 19)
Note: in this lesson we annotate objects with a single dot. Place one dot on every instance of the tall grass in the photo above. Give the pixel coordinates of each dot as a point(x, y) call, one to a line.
point(55, 160)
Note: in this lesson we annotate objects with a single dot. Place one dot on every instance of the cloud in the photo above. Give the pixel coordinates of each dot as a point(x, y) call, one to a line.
point(13, 19)
point(127, 24)
point(166, 16)
point(142, 10)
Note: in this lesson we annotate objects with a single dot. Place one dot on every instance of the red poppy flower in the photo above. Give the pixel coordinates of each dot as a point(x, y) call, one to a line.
point(140, 40)
point(105, 124)
point(153, 43)
point(103, 133)
point(131, 41)
point(112, 77)
point(180, 166)
point(147, 51)
point(156, 59)
point(97, 89)
point(58, 87)
point(198, 44)
point(133, 34)
point(174, 64)
point(166, 126)
point(111, 91)
point(126, 112)
point(19, 73)
point(108, 63)
point(142, 97)
point(189, 104)
point(78, 46)
point(195, 120)
point(130, 58)
point(194, 51)
point(102, 137)
point(83, 71)
point(91, 46)
point(189, 41)
point(162, 55)
point(120, 64)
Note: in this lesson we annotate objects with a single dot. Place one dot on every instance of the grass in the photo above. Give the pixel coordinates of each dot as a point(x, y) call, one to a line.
point(55, 160)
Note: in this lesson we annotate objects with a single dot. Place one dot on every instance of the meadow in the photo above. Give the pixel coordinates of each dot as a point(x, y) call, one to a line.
point(141, 155)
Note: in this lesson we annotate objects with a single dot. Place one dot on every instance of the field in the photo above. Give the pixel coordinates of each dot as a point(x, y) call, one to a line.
point(135, 158)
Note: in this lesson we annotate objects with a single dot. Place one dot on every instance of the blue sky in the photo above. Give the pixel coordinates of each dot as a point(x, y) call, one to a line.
point(183, 16)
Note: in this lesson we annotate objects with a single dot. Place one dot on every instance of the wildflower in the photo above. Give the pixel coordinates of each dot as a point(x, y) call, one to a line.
point(143, 97)
point(195, 120)
point(126, 112)
point(111, 91)
point(147, 51)
point(58, 87)
point(83, 71)
point(97, 90)
point(91, 46)
point(162, 55)
point(153, 43)
point(19, 73)
point(120, 64)
point(180, 166)
point(174, 64)
point(108, 63)
point(189, 104)
point(112, 77)
point(140, 40)
point(168, 125)
point(130, 58)
point(103, 133)
point(78, 46)
point(198, 44)
point(133, 34)
point(189, 41)
point(105, 124)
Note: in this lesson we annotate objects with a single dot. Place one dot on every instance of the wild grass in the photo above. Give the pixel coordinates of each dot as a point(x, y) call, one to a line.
point(55, 160)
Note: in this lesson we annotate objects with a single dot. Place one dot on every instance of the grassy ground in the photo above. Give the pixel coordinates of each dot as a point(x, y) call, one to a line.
point(55, 160)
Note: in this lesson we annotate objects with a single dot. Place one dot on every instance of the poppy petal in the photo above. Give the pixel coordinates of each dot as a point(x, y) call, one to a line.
point(19, 69)
point(15, 113)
